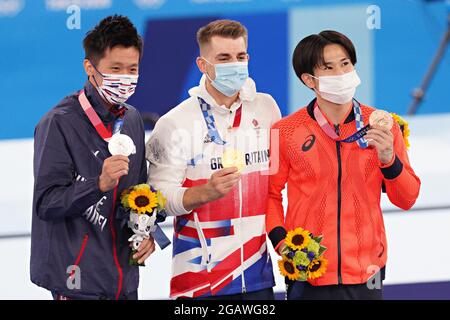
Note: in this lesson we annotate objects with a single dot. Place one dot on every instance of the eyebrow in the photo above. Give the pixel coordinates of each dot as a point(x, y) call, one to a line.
point(115, 63)
point(227, 55)
point(330, 62)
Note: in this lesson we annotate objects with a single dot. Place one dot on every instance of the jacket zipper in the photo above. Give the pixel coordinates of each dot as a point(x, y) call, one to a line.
point(244, 289)
point(80, 253)
point(114, 237)
point(338, 150)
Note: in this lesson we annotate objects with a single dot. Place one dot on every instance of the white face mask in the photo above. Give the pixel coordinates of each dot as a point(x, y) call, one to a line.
point(338, 89)
point(116, 88)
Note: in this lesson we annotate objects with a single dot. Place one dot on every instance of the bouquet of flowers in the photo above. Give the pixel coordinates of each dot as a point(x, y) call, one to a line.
point(302, 256)
point(404, 127)
point(145, 206)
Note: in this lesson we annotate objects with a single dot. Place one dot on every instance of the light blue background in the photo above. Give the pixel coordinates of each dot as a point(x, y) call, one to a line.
point(41, 60)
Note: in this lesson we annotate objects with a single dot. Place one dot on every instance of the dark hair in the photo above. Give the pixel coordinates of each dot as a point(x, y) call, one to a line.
point(223, 28)
point(309, 51)
point(112, 31)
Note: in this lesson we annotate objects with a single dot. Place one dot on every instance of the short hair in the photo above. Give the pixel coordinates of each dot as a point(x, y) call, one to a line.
point(222, 28)
point(112, 31)
point(309, 51)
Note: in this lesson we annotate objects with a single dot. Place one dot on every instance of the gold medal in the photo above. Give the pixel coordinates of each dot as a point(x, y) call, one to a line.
point(233, 158)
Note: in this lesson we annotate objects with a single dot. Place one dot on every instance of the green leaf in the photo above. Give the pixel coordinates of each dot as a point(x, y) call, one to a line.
point(303, 276)
point(285, 250)
point(134, 262)
point(322, 250)
point(318, 239)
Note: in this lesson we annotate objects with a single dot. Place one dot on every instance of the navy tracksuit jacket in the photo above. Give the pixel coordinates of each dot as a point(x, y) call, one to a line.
point(73, 222)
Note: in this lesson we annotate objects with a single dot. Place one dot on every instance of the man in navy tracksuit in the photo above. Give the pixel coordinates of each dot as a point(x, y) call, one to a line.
point(79, 247)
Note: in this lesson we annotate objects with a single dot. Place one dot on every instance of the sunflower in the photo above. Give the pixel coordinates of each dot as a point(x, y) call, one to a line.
point(317, 268)
point(288, 269)
point(141, 199)
point(161, 200)
point(298, 239)
point(124, 198)
point(404, 126)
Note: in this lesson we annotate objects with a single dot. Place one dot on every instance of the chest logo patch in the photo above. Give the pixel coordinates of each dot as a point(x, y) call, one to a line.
point(309, 142)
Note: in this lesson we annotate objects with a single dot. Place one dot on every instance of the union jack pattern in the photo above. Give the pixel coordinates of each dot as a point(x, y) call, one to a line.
point(220, 248)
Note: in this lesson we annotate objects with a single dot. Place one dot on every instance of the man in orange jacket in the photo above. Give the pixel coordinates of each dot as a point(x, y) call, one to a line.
point(334, 177)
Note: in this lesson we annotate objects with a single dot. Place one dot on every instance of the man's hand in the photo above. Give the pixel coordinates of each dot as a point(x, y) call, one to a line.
point(221, 182)
point(113, 168)
point(383, 140)
point(146, 248)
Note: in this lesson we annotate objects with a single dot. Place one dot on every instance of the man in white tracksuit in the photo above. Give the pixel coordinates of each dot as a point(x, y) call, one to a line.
point(210, 158)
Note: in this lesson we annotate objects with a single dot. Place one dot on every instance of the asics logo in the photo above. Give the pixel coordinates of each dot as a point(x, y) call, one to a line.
point(309, 142)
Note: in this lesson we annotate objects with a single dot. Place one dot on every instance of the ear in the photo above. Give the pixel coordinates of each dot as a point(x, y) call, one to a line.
point(201, 64)
point(308, 80)
point(88, 68)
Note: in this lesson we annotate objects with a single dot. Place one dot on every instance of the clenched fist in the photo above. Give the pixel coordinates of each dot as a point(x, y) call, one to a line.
point(221, 182)
point(383, 140)
point(146, 248)
point(113, 168)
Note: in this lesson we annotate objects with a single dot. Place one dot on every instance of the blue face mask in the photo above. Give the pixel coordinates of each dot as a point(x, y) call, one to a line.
point(230, 77)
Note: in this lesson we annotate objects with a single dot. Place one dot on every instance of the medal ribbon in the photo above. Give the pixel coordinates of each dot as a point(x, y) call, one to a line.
point(211, 123)
point(237, 118)
point(95, 119)
point(357, 136)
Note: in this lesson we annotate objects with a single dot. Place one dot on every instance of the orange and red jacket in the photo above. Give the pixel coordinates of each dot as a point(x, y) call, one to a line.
point(334, 190)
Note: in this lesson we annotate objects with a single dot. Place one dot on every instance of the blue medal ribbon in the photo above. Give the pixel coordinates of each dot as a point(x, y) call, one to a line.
point(357, 136)
point(210, 122)
point(362, 130)
point(118, 126)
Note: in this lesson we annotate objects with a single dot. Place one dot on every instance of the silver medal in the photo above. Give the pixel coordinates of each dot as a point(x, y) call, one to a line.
point(121, 144)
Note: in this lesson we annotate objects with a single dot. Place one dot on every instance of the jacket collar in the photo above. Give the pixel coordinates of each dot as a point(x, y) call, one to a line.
point(247, 93)
point(310, 109)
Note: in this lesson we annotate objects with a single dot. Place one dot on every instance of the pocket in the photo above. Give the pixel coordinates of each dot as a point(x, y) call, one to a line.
point(48, 249)
point(82, 249)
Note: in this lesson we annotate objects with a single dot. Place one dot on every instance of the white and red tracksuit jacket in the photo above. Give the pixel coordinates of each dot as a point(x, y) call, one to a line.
point(219, 248)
